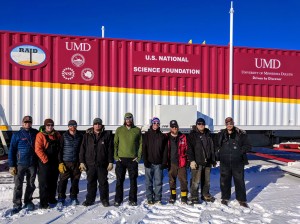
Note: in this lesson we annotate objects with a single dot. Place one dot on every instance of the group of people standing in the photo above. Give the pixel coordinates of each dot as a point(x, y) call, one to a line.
point(56, 158)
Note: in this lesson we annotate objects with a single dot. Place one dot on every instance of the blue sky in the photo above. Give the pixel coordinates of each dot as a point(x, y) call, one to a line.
point(257, 23)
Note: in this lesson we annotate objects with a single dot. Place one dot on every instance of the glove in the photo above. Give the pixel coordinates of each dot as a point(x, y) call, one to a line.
point(193, 165)
point(13, 171)
point(136, 159)
point(82, 167)
point(110, 166)
point(62, 168)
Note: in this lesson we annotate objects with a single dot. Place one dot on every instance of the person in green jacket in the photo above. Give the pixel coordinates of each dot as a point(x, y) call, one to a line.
point(127, 153)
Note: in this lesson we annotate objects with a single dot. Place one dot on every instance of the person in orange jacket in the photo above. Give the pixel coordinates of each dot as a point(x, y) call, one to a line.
point(47, 145)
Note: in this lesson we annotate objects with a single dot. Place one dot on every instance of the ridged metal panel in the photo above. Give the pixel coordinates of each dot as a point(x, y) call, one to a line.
point(118, 91)
point(275, 104)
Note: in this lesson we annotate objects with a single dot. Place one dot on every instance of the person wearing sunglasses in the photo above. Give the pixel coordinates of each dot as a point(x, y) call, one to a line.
point(233, 144)
point(154, 146)
point(96, 159)
point(176, 159)
point(201, 154)
point(68, 167)
point(47, 144)
point(22, 162)
point(127, 153)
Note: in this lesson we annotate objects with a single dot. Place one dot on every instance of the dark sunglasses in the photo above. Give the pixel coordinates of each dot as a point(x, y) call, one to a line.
point(174, 127)
point(28, 122)
point(200, 123)
point(156, 123)
point(50, 125)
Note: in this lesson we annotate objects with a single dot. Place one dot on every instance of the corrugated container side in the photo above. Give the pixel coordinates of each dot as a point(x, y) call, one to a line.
point(40, 93)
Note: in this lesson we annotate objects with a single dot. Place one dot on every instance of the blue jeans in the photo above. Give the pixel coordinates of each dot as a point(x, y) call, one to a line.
point(154, 182)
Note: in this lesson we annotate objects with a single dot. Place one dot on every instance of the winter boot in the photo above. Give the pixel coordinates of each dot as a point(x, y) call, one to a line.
point(29, 206)
point(208, 198)
point(16, 209)
point(244, 204)
point(183, 197)
point(224, 202)
point(173, 196)
point(195, 201)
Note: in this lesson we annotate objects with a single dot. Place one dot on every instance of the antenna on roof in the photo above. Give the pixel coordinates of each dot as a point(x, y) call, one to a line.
point(102, 28)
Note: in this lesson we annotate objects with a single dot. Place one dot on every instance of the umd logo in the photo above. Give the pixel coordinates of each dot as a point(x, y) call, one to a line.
point(28, 56)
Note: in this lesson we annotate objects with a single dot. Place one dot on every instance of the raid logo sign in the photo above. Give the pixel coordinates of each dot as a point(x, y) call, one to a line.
point(28, 56)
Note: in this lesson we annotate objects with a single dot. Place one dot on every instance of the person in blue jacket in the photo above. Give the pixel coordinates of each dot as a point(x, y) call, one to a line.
point(22, 162)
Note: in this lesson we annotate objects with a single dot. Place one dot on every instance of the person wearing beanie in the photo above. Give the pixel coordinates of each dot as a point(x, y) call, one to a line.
point(201, 154)
point(22, 161)
point(96, 159)
point(233, 145)
point(176, 159)
point(68, 167)
point(127, 153)
point(154, 146)
point(47, 145)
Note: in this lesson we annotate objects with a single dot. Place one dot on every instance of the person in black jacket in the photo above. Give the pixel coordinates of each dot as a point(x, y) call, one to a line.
point(154, 144)
point(233, 145)
point(96, 158)
point(201, 154)
point(68, 158)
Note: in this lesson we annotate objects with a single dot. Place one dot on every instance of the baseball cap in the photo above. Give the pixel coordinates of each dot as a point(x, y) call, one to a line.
point(128, 116)
point(72, 123)
point(200, 120)
point(27, 119)
point(173, 123)
point(97, 121)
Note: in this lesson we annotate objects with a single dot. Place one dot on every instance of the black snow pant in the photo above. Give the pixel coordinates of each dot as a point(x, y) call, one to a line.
point(226, 174)
point(94, 174)
point(132, 167)
point(73, 173)
point(30, 173)
point(47, 176)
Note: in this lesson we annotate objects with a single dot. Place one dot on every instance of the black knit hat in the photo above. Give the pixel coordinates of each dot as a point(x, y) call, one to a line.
point(72, 123)
point(48, 121)
point(200, 120)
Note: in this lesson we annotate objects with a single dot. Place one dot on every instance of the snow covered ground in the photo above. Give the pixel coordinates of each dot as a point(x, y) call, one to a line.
point(273, 196)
